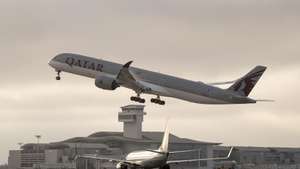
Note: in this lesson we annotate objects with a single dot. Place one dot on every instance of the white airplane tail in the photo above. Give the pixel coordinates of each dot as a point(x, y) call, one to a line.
point(165, 141)
point(244, 85)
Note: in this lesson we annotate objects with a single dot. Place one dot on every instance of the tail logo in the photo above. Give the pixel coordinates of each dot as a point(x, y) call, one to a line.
point(245, 86)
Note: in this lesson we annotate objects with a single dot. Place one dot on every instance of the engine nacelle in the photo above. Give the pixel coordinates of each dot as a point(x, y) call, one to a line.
point(106, 82)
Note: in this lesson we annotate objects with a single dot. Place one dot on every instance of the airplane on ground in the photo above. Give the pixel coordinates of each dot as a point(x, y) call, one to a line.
point(148, 159)
point(109, 76)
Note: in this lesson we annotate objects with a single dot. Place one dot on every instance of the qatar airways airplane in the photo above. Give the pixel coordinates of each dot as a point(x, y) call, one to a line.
point(109, 76)
point(149, 159)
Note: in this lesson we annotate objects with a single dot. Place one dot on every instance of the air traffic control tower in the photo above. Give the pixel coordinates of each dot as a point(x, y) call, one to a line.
point(132, 117)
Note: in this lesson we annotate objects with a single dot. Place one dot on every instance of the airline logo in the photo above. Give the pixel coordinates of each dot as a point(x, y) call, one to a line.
point(247, 84)
point(84, 64)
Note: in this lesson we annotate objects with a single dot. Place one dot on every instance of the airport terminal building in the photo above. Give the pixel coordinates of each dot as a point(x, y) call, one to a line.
point(62, 155)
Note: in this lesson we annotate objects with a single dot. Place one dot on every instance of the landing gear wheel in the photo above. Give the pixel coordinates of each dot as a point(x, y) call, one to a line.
point(133, 98)
point(158, 101)
point(137, 99)
point(57, 77)
point(162, 102)
point(142, 100)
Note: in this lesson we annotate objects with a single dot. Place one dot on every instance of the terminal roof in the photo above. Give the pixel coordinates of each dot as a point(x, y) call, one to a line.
point(147, 137)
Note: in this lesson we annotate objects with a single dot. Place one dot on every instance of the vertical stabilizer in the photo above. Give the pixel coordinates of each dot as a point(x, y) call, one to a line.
point(244, 85)
point(165, 141)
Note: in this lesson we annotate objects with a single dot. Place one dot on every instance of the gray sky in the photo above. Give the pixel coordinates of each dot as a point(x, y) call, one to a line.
point(209, 40)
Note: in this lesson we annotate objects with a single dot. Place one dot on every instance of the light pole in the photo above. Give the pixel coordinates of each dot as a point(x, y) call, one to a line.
point(38, 137)
point(199, 156)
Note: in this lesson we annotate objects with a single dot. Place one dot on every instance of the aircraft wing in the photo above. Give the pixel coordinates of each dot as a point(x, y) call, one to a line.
point(99, 158)
point(200, 159)
point(107, 159)
point(126, 78)
point(124, 74)
point(183, 151)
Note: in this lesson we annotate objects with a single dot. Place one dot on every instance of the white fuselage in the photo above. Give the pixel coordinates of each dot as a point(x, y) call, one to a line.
point(162, 85)
point(148, 158)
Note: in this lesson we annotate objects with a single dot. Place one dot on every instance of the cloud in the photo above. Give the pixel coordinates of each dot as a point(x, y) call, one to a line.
point(200, 40)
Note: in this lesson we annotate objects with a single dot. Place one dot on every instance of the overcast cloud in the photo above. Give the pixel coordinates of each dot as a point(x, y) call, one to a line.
point(209, 40)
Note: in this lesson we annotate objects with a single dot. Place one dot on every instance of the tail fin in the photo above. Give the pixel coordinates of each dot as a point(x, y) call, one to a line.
point(244, 85)
point(165, 142)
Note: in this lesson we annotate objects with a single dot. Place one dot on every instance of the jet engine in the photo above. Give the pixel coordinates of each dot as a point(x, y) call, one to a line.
point(121, 165)
point(106, 82)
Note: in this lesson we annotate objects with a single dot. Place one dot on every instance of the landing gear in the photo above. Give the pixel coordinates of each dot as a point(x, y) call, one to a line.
point(124, 167)
point(137, 98)
point(158, 101)
point(58, 75)
point(165, 167)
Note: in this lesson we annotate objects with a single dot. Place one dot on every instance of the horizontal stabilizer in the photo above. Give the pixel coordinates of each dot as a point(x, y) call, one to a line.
point(184, 151)
point(264, 100)
point(221, 83)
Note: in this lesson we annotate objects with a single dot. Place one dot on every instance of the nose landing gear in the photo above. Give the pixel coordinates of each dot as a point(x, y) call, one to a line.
point(58, 75)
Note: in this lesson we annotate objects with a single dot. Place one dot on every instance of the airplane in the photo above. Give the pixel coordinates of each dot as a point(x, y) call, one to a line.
point(148, 159)
point(109, 76)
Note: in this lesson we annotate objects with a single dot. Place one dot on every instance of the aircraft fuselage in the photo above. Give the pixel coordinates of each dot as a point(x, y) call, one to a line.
point(162, 84)
point(148, 159)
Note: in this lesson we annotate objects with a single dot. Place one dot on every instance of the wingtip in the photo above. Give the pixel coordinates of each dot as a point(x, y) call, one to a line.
point(127, 64)
point(264, 100)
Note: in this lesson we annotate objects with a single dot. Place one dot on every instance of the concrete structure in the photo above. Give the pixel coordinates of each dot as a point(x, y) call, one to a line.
point(30, 156)
point(14, 159)
point(261, 156)
point(50, 156)
point(109, 144)
point(118, 146)
point(61, 154)
point(132, 116)
point(3, 166)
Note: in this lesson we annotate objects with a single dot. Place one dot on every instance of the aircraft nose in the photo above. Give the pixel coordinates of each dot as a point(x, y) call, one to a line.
point(60, 58)
point(51, 63)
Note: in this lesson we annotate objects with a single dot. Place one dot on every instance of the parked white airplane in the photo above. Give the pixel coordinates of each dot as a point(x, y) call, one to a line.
point(109, 76)
point(148, 159)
